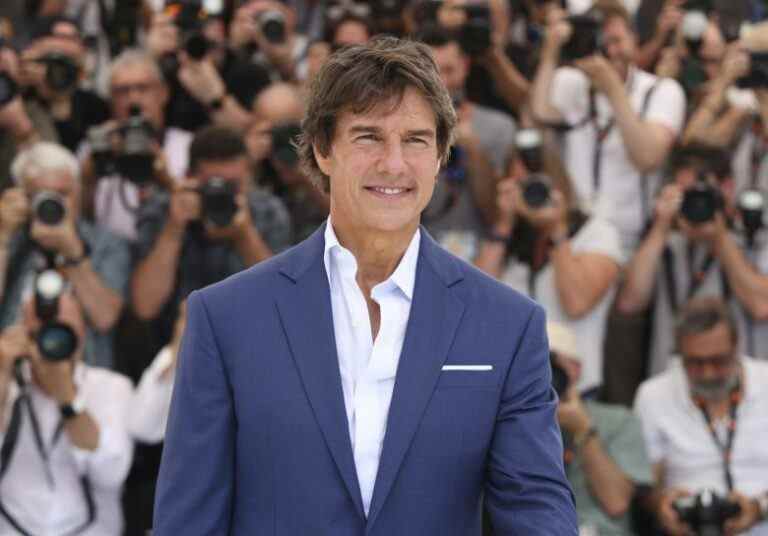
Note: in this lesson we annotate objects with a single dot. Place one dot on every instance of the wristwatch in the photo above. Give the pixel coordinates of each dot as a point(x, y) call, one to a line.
point(74, 408)
point(65, 262)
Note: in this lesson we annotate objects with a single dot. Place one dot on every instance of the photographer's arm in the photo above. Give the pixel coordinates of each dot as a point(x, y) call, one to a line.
point(102, 305)
point(230, 114)
point(607, 482)
point(749, 286)
point(492, 253)
point(640, 274)
point(511, 85)
point(482, 177)
point(541, 105)
point(155, 276)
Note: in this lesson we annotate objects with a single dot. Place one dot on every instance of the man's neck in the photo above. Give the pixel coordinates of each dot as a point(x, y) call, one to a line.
point(377, 253)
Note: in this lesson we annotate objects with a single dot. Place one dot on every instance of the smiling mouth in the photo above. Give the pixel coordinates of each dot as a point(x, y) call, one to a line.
point(388, 191)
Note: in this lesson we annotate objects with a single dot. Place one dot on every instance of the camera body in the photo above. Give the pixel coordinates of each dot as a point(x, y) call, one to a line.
point(701, 202)
point(218, 200)
point(283, 148)
point(272, 26)
point(586, 38)
point(758, 72)
point(475, 34)
point(537, 190)
point(706, 512)
point(61, 72)
point(55, 340)
point(528, 143)
point(48, 207)
point(136, 160)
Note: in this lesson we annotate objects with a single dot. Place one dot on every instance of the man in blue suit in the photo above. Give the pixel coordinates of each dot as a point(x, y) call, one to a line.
point(365, 382)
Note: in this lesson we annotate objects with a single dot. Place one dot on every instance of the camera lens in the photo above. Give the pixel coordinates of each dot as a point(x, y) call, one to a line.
point(536, 190)
point(56, 341)
point(48, 207)
point(693, 26)
point(700, 203)
point(219, 205)
point(61, 72)
point(272, 26)
point(197, 46)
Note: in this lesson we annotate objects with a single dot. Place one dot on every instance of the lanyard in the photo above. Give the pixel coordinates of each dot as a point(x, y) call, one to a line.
point(725, 448)
point(696, 277)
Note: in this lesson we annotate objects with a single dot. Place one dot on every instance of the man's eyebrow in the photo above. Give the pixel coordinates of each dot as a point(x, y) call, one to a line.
point(367, 129)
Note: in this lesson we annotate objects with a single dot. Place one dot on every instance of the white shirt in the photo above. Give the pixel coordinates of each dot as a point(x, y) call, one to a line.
point(114, 193)
point(596, 236)
point(368, 367)
point(619, 198)
point(46, 508)
point(676, 433)
point(151, 403)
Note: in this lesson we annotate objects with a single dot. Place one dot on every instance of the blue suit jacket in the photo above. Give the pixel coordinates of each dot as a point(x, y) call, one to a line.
point(258, 443)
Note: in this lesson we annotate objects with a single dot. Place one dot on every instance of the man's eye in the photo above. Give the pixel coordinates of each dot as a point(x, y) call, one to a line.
point(418, 141)
point(367, 137)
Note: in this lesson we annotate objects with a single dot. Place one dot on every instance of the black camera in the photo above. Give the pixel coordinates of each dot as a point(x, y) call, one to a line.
point(693, 26)
point(272, 25)
point(8, 88)
point(136, 159)
point(701, 201)
point(55, 340)
point(49, 208)
point(751, 204)
point(283, 148)
point(706, 512)
point(586, 36)
point(528, 144)
point(475, 34)
point(537, 190)
point(560, 381)
point(757, 77)
point(61, 72)
point(218, 200)
point(102, 156)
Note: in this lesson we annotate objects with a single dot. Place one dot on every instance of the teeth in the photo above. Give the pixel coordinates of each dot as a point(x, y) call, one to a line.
point(390, 191)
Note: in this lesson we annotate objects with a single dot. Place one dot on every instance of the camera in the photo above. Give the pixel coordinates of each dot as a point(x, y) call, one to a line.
point(693, 26)
point(586, 36)
point(751, 204)
point(8, 88)
point(706, 512)
point(757, 77)
point(218, 200)
point(560, 381)
point(272, 25)
point(100, 142)
point(701, 202)
point(528, 144)
point(61, 72)
point(48, 207)
point(475, 33)
point(136, 160)
point(55, 340)
point(283, 148)
point(537, 190)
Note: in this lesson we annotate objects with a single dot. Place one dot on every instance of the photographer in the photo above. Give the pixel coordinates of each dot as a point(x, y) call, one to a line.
point(52, 69)
point(122, 175)
point(208, 82)
point(277, 112)
point(65, 448)
point(704, 422)
point(699, 244)
point(40, 223)
point(543, 246)
point(211, 226)
point(605, 457)
point(620, 122)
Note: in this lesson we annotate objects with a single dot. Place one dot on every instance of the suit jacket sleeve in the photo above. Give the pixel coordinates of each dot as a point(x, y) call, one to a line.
point(195, 484)
point(526, 489)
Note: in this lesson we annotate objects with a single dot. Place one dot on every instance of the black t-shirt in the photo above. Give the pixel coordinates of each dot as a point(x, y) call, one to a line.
point(243, 80)
point(88, 110)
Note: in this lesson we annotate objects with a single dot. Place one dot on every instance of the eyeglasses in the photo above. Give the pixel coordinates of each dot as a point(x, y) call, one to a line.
point(122, 90)
point(717, 361)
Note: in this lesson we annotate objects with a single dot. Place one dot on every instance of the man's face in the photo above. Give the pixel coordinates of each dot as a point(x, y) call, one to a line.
point(58, 181)
point(710, 362)
point(620, 44)
point(236, 171)
point(386, 148)
point(453, 65)
point(351, 32)
point(712, 51)
point(65, 42)
point(138, 84)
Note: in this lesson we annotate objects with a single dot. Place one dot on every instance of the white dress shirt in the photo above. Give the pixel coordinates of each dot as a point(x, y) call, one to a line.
point(57, 506)
point(368, 367)
point(676, 434)
point(151, 403)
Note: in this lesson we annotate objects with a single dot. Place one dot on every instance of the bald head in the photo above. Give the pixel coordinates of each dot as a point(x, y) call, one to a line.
point(279, 103)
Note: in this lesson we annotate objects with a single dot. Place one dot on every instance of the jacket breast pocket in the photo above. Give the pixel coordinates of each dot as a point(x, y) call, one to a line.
point(488, 379)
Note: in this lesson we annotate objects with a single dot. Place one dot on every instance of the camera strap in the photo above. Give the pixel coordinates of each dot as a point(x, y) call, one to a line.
point(10, 441)
point(696, 277)
point(725, 448)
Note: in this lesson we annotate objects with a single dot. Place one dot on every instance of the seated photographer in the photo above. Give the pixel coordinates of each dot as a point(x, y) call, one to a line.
point(705, 427)
point(619, 122)
point(40, 224)
point(65, 447)
point(277, 113)
point(129, 158)
point(703, 241)
point(52, 69)
point(545, 247)
point(211, 226)
point(208, 82)
point(604, 453)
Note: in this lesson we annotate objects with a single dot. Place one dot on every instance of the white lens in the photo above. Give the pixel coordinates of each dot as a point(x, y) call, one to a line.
point(49, 284)
point(751, 200)
point(528, 138)
point(694, 24)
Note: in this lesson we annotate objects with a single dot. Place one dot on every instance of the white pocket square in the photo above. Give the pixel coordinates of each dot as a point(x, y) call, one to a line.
point(476, 368)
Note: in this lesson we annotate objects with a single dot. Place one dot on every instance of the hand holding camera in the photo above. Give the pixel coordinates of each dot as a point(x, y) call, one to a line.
point(668, 205)
point(571, 413)
point(185, 207)
point(14, 212)
point(53, 226)
point(226, 214)
point(668, 516)
point(604, 78)
point(706, 513)
point(201, 79)
point(14, 344)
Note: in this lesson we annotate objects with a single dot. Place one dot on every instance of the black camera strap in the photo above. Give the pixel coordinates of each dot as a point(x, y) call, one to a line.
point(725, 448)
point(696, 276)
point(23, 401)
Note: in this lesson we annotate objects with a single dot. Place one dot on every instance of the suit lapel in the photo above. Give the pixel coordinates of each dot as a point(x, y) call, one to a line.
point(435, 315)
point(306, 316)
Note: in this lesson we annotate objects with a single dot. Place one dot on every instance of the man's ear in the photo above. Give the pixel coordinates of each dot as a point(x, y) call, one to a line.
point(323, 162)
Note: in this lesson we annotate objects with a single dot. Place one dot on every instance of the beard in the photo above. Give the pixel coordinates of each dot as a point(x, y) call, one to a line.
point(715, 390)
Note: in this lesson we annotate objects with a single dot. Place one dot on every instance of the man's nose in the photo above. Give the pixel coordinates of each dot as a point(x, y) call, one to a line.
point(392, 161)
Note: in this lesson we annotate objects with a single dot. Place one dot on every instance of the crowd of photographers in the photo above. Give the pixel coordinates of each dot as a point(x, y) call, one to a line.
point(610, 162)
